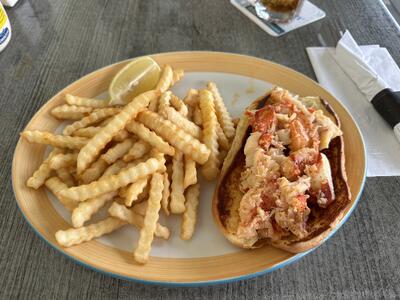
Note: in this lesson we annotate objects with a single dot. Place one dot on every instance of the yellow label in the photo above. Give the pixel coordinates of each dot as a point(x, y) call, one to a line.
point(3, 17)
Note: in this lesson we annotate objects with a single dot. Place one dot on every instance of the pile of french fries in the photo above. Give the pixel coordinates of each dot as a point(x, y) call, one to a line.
point(139, 160)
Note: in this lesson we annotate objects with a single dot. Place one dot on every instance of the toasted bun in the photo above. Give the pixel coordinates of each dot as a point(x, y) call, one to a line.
point(227, 195)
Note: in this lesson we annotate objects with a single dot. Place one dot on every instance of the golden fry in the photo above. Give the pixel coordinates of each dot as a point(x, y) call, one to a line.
point(183, 123)
point(190, 177)
point(84, 211)
point(189, 217)
point(179, 105)
point(165, 194)
point(222, 113)
point(114, 168)
point(211, 168)
point(177, 202)
point(89, 152)
point(222, 155)
point(223, 141)
point(87, 132)
point(59, 141)
point(117, 151)
point(175, 136)
point(65, 175)
point(121, 212)
point(138, 150)
point(92, 118)
point(74, 236)
point(62, 160)
point(191, 98)
point(142, 251)
point(121, 136)
point(94, 171)
point(133, 191)
point(55, 185)
point(164, 102)
point(114, 182)
point(43, 172)
point(177, 75)
point(70, 112)
point(165, 80)
point(82, 101)
point(197, 116)
point(150, 137)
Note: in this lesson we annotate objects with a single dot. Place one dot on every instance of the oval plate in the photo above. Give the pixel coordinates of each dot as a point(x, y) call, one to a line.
point(185, 267)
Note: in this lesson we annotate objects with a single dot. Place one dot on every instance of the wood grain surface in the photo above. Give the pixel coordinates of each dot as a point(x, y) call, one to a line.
point(56, 42)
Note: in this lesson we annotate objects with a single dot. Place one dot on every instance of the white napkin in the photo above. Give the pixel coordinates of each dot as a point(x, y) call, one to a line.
point(383, 149)
point(356, 65)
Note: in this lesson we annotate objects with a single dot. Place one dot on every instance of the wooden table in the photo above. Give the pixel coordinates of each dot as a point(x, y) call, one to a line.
point(56, 42)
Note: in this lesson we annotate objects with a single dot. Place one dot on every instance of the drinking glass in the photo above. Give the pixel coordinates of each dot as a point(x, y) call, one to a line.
point(279, 11)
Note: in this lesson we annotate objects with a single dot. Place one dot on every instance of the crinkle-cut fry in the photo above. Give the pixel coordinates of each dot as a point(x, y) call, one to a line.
point(114, 182)
point(144, 195)
point(165, 194)
point(70, 112)
point(177, 202)
point(179, 105)
point(191, 98)
point(190, 114)
point(222, 113)
point(189, 217)
point(122, 192)
point(190, 176)
point(85, 210)
point(150, 137)
point(43, 172)
point(65, 175)
point(166, 79)
point(87, 132)
point(121, 212)
point(89, 152)
point(175, 136)
point(165, 101)
point(94, 171)
point(183, 123)
point(121, 135)
point(177, 75)
point(211, 168)
point(59, 141)
point(74, 236)
point(235, 121)
point(118, 150)
point(63, 160)
point(222, 155)
point(134, 190)
point(154, 104)
point(223, 141)
point(106, 121)
point(138, 150)
point(55, 185)
point(83, 101)
point(191, 102)
point(93, 118)
point(115, 168)
point(197, 116)
point(140, 208)
point(150, 221)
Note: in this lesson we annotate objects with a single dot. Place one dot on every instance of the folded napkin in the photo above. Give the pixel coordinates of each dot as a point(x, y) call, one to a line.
point(383, 149)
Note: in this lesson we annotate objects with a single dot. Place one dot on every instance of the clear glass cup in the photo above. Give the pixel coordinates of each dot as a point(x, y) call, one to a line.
point(279, 11)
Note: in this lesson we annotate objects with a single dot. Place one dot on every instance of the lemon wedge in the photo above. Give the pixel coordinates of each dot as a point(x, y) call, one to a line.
point(138, 76)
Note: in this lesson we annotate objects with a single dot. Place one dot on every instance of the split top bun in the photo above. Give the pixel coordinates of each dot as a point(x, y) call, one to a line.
point(283, 181)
